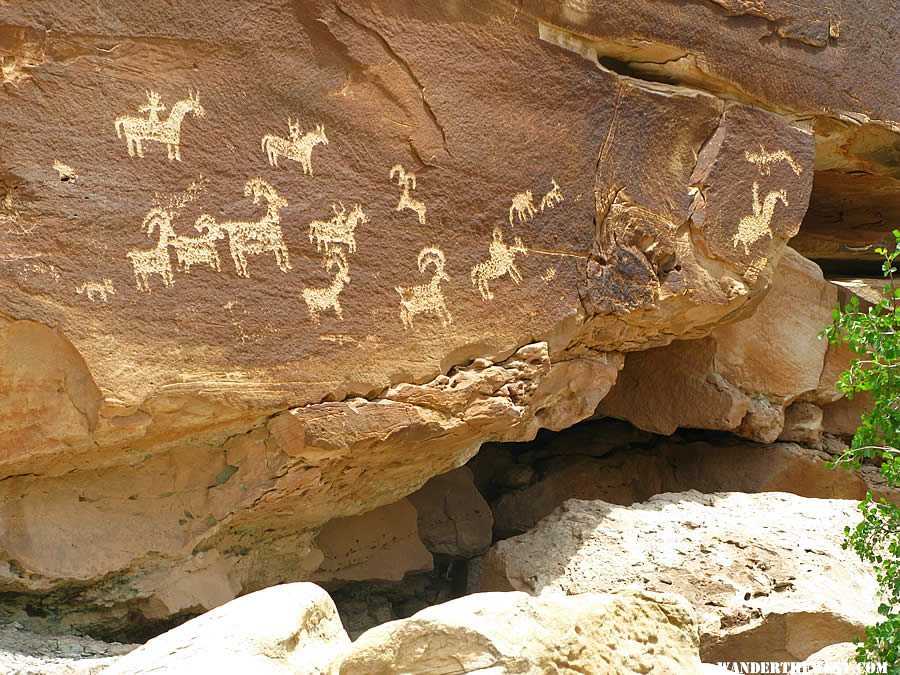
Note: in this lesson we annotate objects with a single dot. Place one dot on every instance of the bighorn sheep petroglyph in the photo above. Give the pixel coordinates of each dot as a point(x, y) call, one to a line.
point(253, 238)
point(427, 298)
point(155, 260)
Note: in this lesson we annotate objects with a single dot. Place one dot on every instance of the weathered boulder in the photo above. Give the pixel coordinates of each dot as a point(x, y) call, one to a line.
point(745, 374)
point(726, 465)
point(453, 518)
point(752, 566)
point(290, 628)
point(606, 634)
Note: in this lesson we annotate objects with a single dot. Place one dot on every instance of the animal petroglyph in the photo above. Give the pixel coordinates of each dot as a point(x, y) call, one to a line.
point(407, 181)
point(198, 250)
point(502, 261)
point(755, 226)
point(522, 207)
point(553, 197)
point(66, 172)
point(319, 300)
point(427, 298)
point(326, 234)
point(155, 260)
point(253, 238)
point(765, 159)
point(298, 148)
point(96, 290)
point(549, 274)
point(151, 128)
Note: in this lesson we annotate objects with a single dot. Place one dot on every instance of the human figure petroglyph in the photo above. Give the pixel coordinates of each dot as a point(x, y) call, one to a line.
point(407, 181)
point(95, 290)
point(153, 107)
point(764, 160)
point(427, 298)
point(151, 128)
point(755, 226)
point(319, 300)
point(553, 197)
point(340, 229)
point(253, 238)
point(298, 148)
point(155, 260)
point(502, 261)
point(522, 207)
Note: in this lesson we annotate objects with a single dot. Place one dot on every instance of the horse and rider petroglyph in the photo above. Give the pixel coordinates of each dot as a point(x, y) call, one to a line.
point(502, 261)
point(152, 128)
point(297, 148)
point(340, 229)
point(755, 226)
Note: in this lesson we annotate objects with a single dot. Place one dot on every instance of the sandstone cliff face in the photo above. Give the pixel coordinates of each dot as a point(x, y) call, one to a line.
point(262, 268)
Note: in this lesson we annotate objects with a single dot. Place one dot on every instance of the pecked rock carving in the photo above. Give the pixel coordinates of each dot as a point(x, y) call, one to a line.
point(501, 263)
point(168, 131)
point(407, 181)
point(427, 298)
point(553, 197)
point(298, 148)
point(522, 207)
point(319, 300)
point(216, 373)
point(96, 290)
point(339, 229)
point(755, 226)
point(255, 237)
point(147, 262)
point(764, 160)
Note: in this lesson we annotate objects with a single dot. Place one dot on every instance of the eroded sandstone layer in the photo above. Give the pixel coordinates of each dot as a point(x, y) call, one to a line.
point(266, 266)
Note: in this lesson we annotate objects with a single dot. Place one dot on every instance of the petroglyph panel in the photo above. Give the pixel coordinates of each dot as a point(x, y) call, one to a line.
point(428, 298)
point(135, 130)
point(296, 147)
